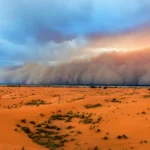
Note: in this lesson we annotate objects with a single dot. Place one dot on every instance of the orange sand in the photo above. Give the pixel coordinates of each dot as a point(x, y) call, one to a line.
point(118, 118)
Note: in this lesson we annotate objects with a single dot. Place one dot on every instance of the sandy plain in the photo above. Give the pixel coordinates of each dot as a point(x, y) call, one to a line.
point(41, 118)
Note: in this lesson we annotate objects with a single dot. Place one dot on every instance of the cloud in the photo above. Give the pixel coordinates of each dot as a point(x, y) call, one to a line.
point(137, 38)
point(46, 53)
point(59, 31)
point(43, 20)
point(109, 68)
point(59, 21)
point(80, 47)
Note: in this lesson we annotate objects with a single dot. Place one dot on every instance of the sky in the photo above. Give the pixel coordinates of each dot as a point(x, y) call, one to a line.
point(52, 32)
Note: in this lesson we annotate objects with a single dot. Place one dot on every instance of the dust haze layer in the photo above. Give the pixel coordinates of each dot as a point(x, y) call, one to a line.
point(109, 68)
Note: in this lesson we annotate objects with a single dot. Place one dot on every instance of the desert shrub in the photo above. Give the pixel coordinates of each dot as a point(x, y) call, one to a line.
point(32, 122)
point(36, 102)
point(87, 120)
point(39, 125)
point(18, 125)
point(22, 148)
point(92, 105)
point(46, 135)
point(42, 115)
point(98, 130)
point(146, 96)
point(114, 100)
point(72, 139)
point(26, 130)
point(23, 121)
point(96, 148)
point(66, 135)
point(52, 127)
point(92, 86)
point(122, 136)
point(79, 132)
point(105, 138)
point(16, 130)
point(70, 127)
point(69, 119)
point(144, 112)
point(57, 117)
point(57, 137)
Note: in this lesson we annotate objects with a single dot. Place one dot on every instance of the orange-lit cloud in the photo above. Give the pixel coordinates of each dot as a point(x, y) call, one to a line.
point(136, 39)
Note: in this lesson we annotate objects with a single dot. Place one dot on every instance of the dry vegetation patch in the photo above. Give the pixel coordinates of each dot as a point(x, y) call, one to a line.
point(92, 105)
point(52, 136)
point(36, 103)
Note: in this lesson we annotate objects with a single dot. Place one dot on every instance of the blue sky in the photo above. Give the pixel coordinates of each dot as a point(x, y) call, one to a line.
point(56, 30)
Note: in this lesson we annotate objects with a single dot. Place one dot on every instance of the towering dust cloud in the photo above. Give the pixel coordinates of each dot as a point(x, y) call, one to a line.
point(109, 68)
